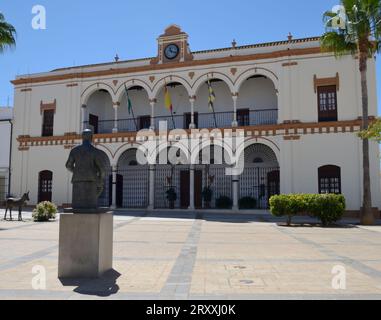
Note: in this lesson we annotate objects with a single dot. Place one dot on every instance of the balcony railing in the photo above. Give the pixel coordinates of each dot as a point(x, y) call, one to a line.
point(202, 120)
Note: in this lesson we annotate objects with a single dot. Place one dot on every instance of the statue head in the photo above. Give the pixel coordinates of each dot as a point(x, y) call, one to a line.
point(87, 136)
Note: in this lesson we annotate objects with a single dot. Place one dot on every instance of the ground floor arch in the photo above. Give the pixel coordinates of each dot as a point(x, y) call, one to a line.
point(132, 182)
point(261, 175)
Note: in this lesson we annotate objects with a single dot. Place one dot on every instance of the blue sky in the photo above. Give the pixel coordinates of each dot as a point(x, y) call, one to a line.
point(85, 31)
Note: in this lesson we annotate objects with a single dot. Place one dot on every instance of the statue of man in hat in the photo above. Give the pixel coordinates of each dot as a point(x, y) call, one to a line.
point(88, 174)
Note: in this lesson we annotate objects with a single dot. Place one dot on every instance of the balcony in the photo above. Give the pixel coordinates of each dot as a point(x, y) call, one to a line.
point(202, 120)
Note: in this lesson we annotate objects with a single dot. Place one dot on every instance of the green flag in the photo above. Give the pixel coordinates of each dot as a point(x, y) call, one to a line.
point(129, 101)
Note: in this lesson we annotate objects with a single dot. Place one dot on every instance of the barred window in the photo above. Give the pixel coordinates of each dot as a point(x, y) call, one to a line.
point(329, 179)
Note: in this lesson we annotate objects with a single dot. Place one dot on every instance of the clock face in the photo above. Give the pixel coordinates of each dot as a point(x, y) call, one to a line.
point(171, 51)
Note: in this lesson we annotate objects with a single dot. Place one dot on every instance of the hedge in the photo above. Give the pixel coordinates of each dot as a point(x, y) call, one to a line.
point(328, 208)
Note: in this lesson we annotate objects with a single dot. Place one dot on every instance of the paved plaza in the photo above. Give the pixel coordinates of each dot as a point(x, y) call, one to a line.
point(200, 256)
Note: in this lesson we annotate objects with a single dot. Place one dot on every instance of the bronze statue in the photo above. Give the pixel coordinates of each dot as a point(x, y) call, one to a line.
point(88, 175)
point(16, 202)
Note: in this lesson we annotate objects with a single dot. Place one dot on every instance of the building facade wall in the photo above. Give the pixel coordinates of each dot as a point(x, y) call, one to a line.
point(288, 86)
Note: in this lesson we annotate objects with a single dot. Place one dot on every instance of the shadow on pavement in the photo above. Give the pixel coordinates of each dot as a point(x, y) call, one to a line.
point(101, 287)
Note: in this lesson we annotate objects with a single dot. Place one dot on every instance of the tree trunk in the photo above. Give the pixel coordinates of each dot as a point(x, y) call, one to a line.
point(367, 217)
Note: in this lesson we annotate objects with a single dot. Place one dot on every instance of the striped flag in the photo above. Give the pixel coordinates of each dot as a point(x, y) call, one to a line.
point(129, 100)
point(168, 100)
point(212, 96)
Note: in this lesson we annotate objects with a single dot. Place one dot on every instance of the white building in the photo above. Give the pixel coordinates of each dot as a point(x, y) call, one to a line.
point(299, 108)
point(6, 116)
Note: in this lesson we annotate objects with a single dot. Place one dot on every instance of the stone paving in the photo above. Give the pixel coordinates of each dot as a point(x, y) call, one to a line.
point(200, 256)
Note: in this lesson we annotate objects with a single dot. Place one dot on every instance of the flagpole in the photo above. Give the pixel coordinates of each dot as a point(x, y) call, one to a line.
point(171, 108)
point(132, 109)
point(133, 117)
point(211, 104)
point(173, 120)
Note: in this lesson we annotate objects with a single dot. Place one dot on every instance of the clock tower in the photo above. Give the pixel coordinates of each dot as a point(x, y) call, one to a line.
point(173, 46)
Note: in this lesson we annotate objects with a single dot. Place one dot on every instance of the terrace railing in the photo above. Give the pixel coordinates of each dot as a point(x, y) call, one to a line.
point(203, 120)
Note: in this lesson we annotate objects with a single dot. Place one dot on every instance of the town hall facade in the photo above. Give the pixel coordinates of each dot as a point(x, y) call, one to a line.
point(298, 109)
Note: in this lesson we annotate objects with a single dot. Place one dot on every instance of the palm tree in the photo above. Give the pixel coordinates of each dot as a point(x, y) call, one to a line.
point(357, 31)
point(7, 34)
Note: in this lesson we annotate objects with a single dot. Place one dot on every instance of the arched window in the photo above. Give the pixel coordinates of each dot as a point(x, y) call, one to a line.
point(45, 184)
point(329, 179)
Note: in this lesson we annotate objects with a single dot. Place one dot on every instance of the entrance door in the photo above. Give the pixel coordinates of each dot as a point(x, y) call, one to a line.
point(119, 190)
point(185, 189)
point(93, 122)
point(198, 189)
point(273, 183)
point(45, 186)
point(144, 122)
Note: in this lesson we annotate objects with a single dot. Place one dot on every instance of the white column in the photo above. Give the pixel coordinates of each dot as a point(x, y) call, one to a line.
point(114, 172)
point(235, 98)
point(191, 188)
point(83, 125)
point(192, 101)
point(152, 102)
point(151, 194)
point(115, 129)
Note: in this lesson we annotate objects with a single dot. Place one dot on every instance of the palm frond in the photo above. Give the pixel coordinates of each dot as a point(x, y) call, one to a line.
point(336, 42)
point(7, 34)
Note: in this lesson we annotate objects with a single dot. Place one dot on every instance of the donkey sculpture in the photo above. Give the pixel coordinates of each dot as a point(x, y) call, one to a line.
point(16, 203)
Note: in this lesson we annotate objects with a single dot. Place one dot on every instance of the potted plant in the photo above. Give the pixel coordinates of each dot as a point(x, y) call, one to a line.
point(224, 202)
point(207, 195)
point(171, 197)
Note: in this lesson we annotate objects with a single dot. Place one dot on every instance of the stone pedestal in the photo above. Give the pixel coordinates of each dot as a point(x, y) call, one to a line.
point(85, 245)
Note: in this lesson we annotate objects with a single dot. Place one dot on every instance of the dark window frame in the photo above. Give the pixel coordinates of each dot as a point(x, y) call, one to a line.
point(48, 123)
point(45, 185)
point(329, 178)
point(327, 103)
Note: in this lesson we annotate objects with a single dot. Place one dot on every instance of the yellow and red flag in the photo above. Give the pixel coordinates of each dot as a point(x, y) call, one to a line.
point(168, 100)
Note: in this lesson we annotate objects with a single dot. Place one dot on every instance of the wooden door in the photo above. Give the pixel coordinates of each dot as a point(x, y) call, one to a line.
point(243, 117)
point(93, 122)
point(184, 189)
point(273, 183)
point(119, 191)
point(45, 184)
point(144, 122)
point(198, 189)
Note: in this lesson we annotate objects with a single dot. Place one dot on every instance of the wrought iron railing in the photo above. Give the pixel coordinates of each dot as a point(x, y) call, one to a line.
point(202, 120)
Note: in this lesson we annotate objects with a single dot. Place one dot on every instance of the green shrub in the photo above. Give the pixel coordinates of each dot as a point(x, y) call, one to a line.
point(247, 203)
point(224, 202)
point(328, 208)
point(44, 211)
point(280, 207)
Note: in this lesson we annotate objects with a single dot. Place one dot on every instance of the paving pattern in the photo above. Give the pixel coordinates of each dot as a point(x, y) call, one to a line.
point(199, 256)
